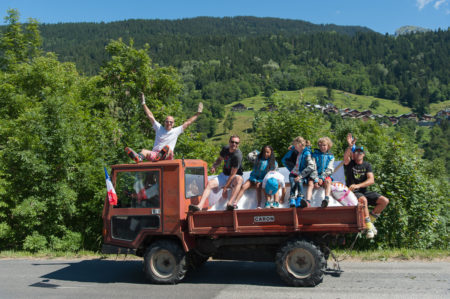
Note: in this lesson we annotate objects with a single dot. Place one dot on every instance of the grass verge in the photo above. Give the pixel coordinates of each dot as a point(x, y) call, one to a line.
point(367, 255)
point(401, 254)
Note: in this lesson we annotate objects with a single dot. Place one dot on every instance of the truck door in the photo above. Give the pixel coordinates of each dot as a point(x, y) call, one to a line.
point(139, 204)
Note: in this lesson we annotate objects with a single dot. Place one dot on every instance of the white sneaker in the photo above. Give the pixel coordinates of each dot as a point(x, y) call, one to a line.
point(370, 233)
point(374, 229)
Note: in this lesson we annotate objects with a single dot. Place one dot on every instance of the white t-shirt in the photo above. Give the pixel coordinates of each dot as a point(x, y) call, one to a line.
point(276, 175)
point(164, 137)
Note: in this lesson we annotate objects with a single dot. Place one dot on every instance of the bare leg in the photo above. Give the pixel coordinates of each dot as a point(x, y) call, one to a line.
point(309, 190)
point(327, 187)
point(214, 183)
point(382, 202)
point(236, 186)
point(363, 200)
point(276, 197)
point(244, 187)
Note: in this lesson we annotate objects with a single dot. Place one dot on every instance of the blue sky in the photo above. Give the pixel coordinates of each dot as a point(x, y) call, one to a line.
point(380, 15)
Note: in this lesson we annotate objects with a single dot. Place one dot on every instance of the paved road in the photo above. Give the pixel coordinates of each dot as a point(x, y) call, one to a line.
point(218, 279)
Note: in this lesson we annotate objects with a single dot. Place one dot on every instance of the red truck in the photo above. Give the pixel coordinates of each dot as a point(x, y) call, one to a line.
point(152, 220)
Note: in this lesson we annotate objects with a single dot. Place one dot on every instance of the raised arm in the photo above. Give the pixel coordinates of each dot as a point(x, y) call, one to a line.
point(348, 151)
point(193, 118)
point(146, 110)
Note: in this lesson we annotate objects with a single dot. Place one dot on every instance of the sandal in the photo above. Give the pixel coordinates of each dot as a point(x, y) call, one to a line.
point(230, 207)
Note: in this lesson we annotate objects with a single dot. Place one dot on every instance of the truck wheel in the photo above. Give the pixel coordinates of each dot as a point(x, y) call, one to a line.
point(300, 263)
point(165, 262)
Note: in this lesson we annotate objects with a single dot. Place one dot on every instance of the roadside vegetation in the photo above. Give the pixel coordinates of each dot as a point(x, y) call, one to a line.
point(341, 254)
point(59, 128)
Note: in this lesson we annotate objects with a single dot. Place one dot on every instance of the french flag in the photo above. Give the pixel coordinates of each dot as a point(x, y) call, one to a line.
point(112, 196)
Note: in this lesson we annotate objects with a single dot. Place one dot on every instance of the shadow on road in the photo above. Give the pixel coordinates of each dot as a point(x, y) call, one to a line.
point(99, 271)
point(213, 272)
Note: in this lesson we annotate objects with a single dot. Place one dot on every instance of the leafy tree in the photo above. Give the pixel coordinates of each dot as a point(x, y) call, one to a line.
point(229, 122)
point(18, 43)
point(375, 104)
point(279, 127)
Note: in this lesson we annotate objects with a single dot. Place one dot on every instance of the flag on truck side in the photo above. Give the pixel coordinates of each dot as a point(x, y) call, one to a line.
point(112, 196)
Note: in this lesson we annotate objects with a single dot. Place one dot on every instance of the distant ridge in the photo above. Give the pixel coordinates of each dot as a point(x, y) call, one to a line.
point(410, 29)
point(199, 26)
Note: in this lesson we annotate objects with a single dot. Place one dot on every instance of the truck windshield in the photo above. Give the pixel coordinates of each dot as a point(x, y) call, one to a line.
point(194, 181)
point(138, 189)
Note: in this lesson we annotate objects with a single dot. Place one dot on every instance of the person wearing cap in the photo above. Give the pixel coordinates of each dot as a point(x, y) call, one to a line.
point(272, 182)
point(358, 177)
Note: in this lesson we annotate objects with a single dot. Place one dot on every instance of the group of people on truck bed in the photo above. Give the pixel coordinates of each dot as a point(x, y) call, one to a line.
point(306, 167)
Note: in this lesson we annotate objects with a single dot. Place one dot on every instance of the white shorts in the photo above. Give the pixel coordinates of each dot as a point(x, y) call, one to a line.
point(223, 179)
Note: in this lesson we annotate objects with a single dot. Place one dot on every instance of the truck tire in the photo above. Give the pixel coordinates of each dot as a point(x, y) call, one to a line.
point(300, 263)
point(165, 262)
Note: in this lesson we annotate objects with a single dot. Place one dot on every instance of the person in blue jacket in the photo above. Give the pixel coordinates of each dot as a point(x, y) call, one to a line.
point(321, 176)
point(300, 171)
point(263, 164)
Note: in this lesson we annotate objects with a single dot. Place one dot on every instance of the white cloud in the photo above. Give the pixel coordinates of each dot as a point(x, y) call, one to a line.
point(422, 3)
point(437, 3)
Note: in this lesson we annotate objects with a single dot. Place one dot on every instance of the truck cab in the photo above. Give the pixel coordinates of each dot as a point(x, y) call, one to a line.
point(153, 200)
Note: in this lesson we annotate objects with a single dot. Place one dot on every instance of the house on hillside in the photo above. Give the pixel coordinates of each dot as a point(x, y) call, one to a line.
point(411, 116)
point(393, 120)
point(238, 107)
point(443, 114)
point(367, 113)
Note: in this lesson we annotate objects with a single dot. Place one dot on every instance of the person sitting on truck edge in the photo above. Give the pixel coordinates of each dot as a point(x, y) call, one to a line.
point(304, 166)
point(264, 162)
point(359, 176)
point(271, 184)
point(321, 176)
point(166, 136)
point(231, 175)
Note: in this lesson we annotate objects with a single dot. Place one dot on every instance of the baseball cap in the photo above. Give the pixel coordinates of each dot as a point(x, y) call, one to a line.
point(358, 148)
point(271, 186)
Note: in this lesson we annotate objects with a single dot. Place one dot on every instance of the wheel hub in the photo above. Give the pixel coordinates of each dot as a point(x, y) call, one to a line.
point(163, 263)
point(300, 263)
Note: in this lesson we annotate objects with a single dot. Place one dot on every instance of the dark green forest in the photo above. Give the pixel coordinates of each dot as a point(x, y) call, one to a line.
point(283, 54)
point(69, 105)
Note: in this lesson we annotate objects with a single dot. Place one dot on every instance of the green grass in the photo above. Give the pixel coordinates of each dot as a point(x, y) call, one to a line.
point(48, 254)
point(342, 100)
point(436, 107)
point(369, 255)
point(401, 254)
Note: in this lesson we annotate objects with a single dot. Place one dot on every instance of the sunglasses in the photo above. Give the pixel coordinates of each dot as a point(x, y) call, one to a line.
point(235, 142)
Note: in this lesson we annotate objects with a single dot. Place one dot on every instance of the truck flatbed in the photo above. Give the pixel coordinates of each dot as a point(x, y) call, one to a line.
point(276, 221)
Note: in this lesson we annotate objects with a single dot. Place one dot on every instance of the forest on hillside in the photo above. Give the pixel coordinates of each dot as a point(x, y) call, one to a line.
point(59, 128)
point(251, 54)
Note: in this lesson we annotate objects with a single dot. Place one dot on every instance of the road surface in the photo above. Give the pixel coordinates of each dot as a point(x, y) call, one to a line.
point(218, 279)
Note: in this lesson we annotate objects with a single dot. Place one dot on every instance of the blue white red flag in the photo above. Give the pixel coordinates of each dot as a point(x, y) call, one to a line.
point(112, 196)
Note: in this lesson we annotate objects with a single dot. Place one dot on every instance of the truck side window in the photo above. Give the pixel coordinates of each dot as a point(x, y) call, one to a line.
point(194, 178)
point(138, 189)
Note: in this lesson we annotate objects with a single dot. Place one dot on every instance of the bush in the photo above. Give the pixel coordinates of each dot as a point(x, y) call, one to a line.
point(35, 242)
point(71, 241)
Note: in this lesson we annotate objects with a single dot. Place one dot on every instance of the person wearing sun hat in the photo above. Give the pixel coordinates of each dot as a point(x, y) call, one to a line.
point(272, 182)
point(358, 177)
